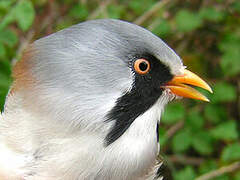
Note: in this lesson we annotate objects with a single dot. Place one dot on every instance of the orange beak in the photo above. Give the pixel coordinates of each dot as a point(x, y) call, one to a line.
point(178, 86)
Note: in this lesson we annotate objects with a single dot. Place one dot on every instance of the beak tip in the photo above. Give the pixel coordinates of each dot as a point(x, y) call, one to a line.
point(203, 98)
point(179, 86)
point(209, 89)
point(207, 100)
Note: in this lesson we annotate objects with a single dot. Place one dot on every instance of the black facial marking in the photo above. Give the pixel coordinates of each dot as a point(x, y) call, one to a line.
point(145, 91)
point(157, 129)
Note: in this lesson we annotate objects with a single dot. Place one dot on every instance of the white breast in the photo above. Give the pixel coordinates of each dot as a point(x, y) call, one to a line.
point(134, 153)
point(82, 155)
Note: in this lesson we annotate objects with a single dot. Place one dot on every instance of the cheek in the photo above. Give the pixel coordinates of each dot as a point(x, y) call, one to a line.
point(161, 76)
point(148, 85)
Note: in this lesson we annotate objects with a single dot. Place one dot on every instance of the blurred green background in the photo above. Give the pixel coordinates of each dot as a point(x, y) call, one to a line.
point(196, 137)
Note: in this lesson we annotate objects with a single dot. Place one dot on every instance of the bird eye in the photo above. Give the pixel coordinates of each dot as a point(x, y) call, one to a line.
point(142, 66)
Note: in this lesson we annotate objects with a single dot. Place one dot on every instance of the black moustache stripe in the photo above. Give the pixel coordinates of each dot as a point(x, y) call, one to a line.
point(143, 95)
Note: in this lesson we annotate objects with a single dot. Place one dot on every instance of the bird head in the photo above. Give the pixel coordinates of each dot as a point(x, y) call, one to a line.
point(102, 75)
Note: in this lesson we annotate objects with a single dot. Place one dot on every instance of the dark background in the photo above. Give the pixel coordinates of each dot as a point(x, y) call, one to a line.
point(196, 137)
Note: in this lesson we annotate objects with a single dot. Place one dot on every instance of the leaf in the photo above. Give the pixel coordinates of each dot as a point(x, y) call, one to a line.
point(226, 131)
point(230, 63)
point(162, 29)
point(5, 68)
point(230, 42)
point(187, 173)
point(8, 37)
point(9, 18)
point(79, 11)
point(211, 14)
point(24, 14)
point(202, 142)
point(2, 51)
point(5, 4)
point(173, 113)
point(115, 11)
point(181, 141)
point(194, 120)
point(215, 113)
point(140, 6)
point(223, 92)
point(187, 21)
point(230, 46)
point(5, 81)
point(231, 152)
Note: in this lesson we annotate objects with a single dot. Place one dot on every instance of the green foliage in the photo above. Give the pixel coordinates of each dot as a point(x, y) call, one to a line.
point(194, 120)
point(5, 80)
point(223, 177)
point(187, 21)
point(207, 166)
point(181, 141)
point(231, 152)
point(22, 12)
point(202, 142)
point(8, 38)
point(225, 131)
point(224, 92)
point(230, 62)
point(162, 134)
point(193, 136)
point(211, 14)
point(140, 6)
point(215, 113)
point(173, 113)
point(115, 11)
point(206, 35)
point(162, 29)
point(237, 176)
point(187, 173)
point(79, 12)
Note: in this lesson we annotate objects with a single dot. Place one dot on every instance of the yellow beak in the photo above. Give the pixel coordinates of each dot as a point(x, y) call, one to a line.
point(178, 86)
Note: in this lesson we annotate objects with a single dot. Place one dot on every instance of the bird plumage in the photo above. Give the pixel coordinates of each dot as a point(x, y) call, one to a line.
point(59, 113)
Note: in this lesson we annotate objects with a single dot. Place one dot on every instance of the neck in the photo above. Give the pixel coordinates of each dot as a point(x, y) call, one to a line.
point(35, 139)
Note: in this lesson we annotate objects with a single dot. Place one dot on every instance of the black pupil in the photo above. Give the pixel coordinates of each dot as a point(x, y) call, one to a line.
point(143, 66)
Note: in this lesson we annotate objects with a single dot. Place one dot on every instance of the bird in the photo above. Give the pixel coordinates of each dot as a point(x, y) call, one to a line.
point(86, 103)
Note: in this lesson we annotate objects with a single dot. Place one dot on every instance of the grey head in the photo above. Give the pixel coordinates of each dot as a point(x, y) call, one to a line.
point(84, 75)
